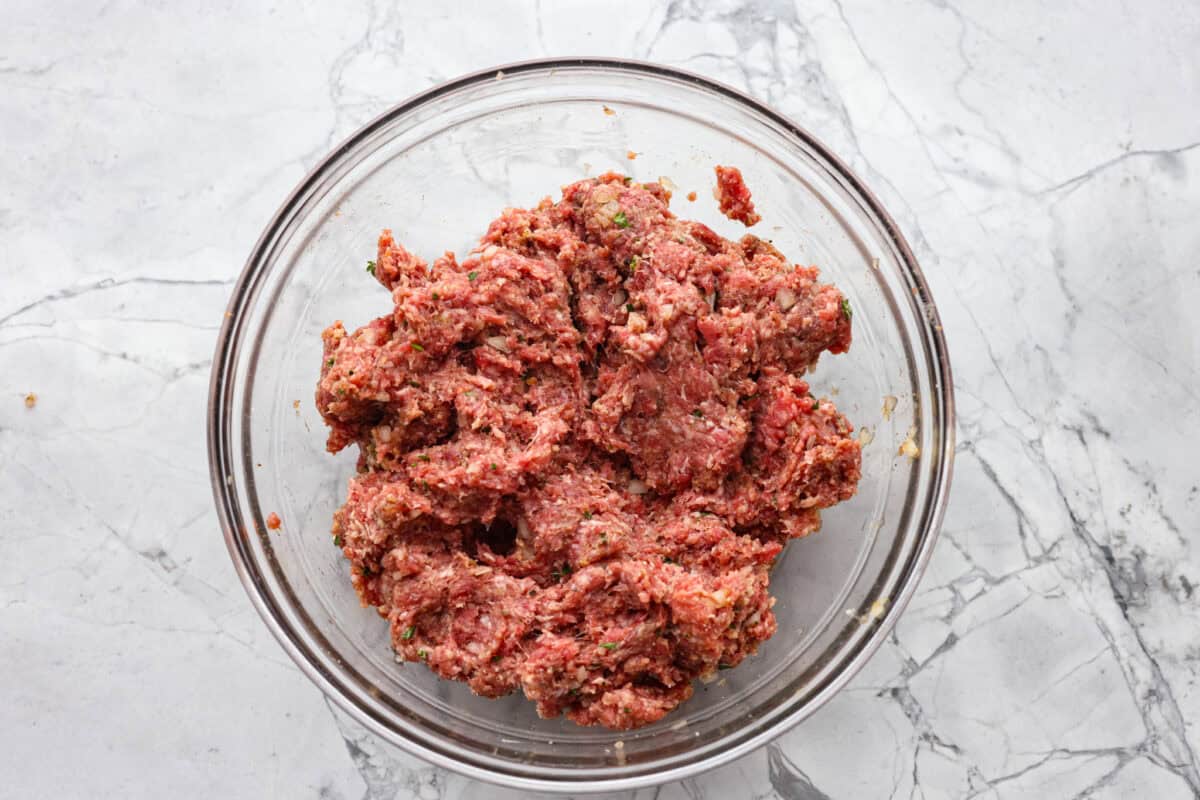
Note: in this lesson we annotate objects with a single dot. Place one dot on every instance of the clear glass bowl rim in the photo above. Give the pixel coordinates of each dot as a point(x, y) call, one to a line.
point(933, 347)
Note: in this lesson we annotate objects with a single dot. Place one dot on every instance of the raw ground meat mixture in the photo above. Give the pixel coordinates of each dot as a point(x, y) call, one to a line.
point(734, 196)
point(582, 448)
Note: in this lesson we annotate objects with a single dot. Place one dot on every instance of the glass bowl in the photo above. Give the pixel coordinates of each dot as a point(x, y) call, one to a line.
point(436, 169)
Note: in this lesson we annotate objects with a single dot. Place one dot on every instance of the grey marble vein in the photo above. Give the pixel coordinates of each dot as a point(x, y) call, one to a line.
point(1043, 161)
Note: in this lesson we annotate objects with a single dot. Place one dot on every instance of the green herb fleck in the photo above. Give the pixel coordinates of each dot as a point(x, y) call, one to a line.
point(627, 710)
point(846, 308)
point(337, 540)
point(609, 645)
point(724, 666)
point(668, 560)
point(628, 180)
point(604, 538)
point(422, 654)
point(365, 570)
point(329, 363)
point(425, 485)
point(408, 632)
point(697, 413)
point(414, 384)
point(495, 658)
point(435, 296)
point(472, 275)
point(633, 264)
point(629, 307)
point(620, 220)
point(494, 467)
point(587, 514)
point(371, 267)
point(424, 456)
point(417, 346)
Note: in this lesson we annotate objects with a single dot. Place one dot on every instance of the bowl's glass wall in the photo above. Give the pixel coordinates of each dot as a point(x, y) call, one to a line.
point(436, 175)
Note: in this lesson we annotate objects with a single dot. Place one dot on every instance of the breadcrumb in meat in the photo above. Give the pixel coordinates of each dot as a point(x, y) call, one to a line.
point(582, 448)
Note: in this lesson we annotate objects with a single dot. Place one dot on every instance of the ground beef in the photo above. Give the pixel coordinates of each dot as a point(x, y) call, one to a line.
point(734, 196)
point(581, 449)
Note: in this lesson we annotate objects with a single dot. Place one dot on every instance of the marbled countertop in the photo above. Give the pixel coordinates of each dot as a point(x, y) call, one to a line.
point(1043, 160)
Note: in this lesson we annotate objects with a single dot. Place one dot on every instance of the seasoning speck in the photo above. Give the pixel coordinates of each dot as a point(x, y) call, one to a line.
point(691, 196)
point(608, 112)
point(631, 155)
point(30, 400)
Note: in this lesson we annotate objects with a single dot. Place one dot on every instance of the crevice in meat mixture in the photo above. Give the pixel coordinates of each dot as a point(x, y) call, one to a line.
point(582, 448)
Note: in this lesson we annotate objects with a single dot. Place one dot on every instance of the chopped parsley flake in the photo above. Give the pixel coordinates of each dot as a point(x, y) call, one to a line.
point(417, 346)
point(628, 180)
point(633, 264)
point(609, 645)
point(371, 267)
point(846, 308)
point(668, 560)
point(337, 540)
point(435, 296)
point(587, 514)
point(697, 413)
point(329, 363)
point(494, 467)
point(414, 384)
point(423, 457)
point(724, 666)
point(629, 307)
point(408, 632)
point(620, 220)
point(472, 275)
point(422, 654)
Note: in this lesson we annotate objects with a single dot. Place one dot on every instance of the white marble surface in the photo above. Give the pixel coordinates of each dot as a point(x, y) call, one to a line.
point(1043, 159)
